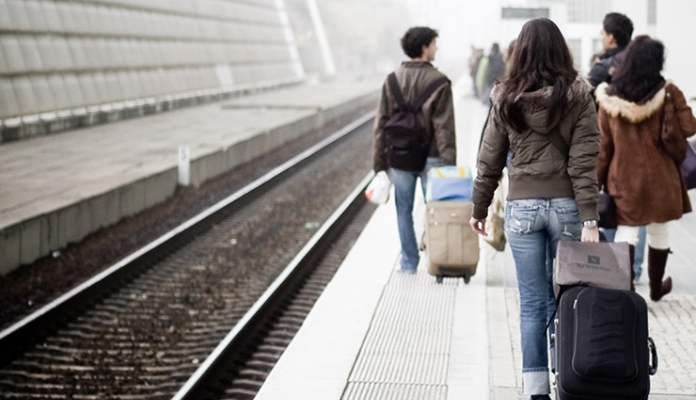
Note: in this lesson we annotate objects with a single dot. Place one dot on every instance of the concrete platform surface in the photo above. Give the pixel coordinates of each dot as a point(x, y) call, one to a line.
point(377, 334)
point(57, 189)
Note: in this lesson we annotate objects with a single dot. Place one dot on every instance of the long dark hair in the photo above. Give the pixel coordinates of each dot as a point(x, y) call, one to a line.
point(639, 72)
point(541, 58)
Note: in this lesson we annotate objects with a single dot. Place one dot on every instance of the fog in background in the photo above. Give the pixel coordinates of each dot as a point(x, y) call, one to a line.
point(364, 34)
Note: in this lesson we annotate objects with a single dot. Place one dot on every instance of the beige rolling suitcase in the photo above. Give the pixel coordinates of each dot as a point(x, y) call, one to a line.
point(451, 246)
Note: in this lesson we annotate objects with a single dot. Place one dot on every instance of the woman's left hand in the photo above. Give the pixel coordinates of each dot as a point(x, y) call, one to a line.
point(478, 225)
point(590, 235)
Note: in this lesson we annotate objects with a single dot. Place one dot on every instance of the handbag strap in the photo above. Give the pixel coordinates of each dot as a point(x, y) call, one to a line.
point(557, 140)
point(672, 140)
point(485, 125)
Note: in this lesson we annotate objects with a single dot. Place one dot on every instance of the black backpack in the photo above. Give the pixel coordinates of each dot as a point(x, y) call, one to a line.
point(407, 145)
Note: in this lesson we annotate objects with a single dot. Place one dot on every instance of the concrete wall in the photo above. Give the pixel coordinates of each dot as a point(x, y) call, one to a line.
point(69, 58)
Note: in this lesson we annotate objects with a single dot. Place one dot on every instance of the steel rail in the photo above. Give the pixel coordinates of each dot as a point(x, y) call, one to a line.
point(282, 286)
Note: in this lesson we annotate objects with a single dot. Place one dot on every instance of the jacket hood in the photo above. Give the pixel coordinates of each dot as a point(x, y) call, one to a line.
point(628, 110)
point(535, 104)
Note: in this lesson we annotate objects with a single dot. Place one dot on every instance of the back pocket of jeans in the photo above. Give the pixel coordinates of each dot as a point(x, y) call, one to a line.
point(520, 217)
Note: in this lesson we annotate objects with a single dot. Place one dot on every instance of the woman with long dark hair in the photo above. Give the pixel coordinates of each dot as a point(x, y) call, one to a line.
point(635, 163)
point(543, 113)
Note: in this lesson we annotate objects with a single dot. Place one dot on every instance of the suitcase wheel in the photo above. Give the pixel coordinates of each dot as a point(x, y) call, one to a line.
point(439, 278)
point(466, 278)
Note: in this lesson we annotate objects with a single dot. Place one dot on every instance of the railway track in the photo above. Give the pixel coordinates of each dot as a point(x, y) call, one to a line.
point(196, 314)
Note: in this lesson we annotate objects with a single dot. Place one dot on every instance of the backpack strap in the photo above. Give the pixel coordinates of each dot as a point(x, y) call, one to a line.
point(429, 92)
point(399, 96)
point(396, 91)
point(557, 140)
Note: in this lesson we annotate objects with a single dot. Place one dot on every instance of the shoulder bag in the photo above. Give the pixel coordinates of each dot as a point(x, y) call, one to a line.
point(676, 145)
point(688, 167)
point(495, 221)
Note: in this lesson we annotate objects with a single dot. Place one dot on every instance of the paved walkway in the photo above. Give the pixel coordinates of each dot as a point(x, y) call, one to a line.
point(57, 189)
point(378, 334)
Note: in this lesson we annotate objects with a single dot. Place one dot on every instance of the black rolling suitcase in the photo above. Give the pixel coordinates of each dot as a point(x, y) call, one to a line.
point(602, 346)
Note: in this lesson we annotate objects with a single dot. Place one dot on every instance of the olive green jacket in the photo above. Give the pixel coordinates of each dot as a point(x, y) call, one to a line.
point(537, 168)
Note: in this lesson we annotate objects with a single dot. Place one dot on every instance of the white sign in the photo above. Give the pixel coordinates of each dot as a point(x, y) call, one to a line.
point(184, 166)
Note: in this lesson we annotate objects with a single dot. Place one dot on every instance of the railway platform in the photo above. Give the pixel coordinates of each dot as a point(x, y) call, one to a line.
point(59, 188)
point(374, 333)
point(378, 334)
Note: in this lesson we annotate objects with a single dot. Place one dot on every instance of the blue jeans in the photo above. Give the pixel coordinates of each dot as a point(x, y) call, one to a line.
point(640, 249)
point(404, 194)
point(533, 228)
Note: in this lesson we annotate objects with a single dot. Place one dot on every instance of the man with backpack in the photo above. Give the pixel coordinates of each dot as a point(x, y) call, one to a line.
point(414, 130)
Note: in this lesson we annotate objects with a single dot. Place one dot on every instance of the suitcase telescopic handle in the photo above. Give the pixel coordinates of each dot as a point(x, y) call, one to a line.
point(653, 356)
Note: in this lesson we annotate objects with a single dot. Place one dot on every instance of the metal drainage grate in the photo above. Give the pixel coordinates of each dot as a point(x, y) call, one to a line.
point(406, 351)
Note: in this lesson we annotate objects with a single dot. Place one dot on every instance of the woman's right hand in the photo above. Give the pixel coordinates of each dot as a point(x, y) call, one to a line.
point(590, 235)
point(478, 225)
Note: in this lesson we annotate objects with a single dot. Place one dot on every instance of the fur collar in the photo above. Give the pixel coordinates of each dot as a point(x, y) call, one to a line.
point(628, 110)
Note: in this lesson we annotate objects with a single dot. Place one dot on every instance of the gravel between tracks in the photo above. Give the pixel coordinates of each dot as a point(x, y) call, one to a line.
point(29, 287)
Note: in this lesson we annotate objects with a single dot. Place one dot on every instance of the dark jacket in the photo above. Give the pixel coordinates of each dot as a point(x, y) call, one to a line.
point(641, 176)
point(537, 168)
point(437, 113)
point(604, 68)
point(496, 69)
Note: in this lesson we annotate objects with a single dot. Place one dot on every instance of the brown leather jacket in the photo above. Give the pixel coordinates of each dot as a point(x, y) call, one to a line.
point(437, 113)
point(537, 168)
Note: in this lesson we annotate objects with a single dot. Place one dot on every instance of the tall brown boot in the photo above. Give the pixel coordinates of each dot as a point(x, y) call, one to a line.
point(632, 257)
point(657, 261)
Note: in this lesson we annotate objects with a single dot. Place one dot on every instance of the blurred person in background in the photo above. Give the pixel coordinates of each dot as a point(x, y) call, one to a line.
point(474, 60)
point(480, 80)
point(552, 192)
point(594, 59)
point(635, 163)
point(617, 30)
point(616, 33)
point(495, 71)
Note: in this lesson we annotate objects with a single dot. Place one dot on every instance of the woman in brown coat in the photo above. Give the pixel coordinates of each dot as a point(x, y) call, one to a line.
point(641, 175)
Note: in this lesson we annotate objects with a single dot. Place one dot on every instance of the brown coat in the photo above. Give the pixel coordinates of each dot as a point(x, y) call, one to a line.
point(437, 113)
point(641, 176)
point(537, 168)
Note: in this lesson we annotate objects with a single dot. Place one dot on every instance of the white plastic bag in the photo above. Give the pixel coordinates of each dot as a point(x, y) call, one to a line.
point(378, 189)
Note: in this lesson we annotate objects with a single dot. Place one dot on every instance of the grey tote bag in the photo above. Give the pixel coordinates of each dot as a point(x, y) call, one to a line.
point(602, 265)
